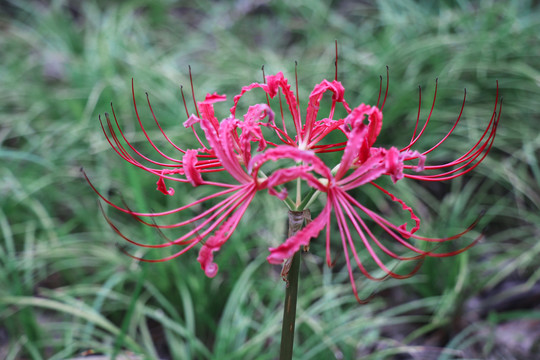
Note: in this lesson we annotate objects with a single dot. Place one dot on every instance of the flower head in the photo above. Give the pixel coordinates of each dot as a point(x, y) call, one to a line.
point(361, 165)
point(227, 147)
point(240, 148)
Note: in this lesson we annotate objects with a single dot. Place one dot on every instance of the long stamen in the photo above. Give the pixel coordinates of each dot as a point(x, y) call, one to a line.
point(161, 129)
point(264, 82)
point(465, 160)
point(169, 212)
point(345, 239)
point(215, 209)
point(184, 100)
point(453, 127)
point(336, 62)
point(429, 117)
point(468, 160)
point(143, 129)
point(187, 112)
point(353, 217)
point(193, 92)
point(147, 137)
point(296, 80)
point(281, 111)
point(380, 90)
point(418, 115)
point(387, 86)
point(118, 149)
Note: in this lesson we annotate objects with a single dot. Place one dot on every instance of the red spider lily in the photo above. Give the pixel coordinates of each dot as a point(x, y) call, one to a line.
point(362, 164)
point(227, 146)
point(227, 150)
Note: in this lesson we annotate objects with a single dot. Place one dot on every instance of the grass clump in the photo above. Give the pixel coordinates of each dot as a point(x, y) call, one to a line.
point(66, 289)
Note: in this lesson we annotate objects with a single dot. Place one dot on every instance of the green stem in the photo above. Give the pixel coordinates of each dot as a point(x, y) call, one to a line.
point(296, 220)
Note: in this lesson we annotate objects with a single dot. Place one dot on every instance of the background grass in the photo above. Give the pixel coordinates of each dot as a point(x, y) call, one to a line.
point(66, 289)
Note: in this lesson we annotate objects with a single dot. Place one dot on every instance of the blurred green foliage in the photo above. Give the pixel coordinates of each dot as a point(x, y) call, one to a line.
point(65, 288)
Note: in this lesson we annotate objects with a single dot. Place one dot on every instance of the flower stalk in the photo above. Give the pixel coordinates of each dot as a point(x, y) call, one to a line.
point(291, 275)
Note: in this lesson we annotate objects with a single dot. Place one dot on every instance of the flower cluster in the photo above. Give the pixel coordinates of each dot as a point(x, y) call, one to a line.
point(243, 147)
